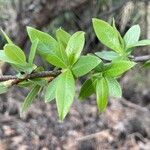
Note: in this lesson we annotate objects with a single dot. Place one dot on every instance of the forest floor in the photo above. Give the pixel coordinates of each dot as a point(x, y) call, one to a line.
point(123, 126)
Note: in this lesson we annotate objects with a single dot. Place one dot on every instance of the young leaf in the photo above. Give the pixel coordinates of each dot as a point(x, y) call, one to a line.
point(65, 92)
point(39, 81)
point(30, 98)
point(140, 43)
point(119, 35)
point(15, 54)
point(55, 60)
point(15, 64)
point(75, 46)
point(48, 47)
point(114, 87)
point(107, 35)
point(146, 64)
point(132, 36)
point(62, 37)
point(26, 68)
point(25, 84)
point(33, 51)
point(4, 58)
point(118, 67)
point(102, 92)
point(107, 55)
point(63, 55)
point(6, 37)
point(85, 64)
point(46, 42)
point(50, 90)
point(87, 89)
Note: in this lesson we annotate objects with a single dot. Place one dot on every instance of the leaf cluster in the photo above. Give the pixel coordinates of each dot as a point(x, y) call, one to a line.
point(64, 52)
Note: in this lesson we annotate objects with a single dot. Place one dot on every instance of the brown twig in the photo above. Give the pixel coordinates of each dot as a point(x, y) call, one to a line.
point(42, 74)
point(141, 58)
point(133, 106)
point(54, 73)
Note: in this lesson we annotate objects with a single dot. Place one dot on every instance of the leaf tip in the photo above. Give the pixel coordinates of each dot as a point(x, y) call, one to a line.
point(3, 32)
point(137, 26)
point(81, 32)
point(1, 29)
point(45, 100)
point(94, 20)
point(59, 29)
point(29, 28)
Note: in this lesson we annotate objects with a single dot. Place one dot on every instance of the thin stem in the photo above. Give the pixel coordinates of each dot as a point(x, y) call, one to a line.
point(55, 73)
point(42, 74)
point(141, 58)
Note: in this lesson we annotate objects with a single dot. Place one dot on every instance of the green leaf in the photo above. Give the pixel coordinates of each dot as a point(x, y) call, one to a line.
point(15, 54)
point(48, 47)
point(87, 89)
point(25, 84)
point(85, 64)
point(26, 68)
point(140, 43)
point(39, 81)
point(118, 67)
point(30, 98)
point(63, 55)
point(39, 69)
point(107, 35)
point(62, 37)
point(146, 64)
point(99, 68)
point(75, 46)
point(114, 87)
point(4, 58)
point(107, 55)
point(3, 88)
point(33, 50)
point(132, 36)
point(56, 61)
point(6, 37)
point(65, 92)
point(119, 35)
point(102, 92)
point(51, 90)
point(16, 65)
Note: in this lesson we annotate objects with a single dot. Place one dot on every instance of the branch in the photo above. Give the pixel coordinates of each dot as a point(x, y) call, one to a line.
point(55, 73)
point(133, 106)
point(140, 58)
point(42, 74)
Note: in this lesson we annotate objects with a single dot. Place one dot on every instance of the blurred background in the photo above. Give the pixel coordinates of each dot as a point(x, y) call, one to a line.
point(125, 125)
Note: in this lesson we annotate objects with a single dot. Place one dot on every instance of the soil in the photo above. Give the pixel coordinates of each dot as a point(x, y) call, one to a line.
point(123, 126)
